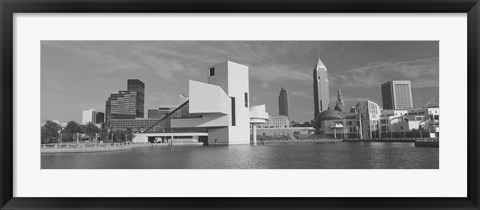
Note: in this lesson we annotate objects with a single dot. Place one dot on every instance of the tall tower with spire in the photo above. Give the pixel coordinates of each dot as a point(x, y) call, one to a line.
point(283, 102)
point(339, 105)
point(320, 88)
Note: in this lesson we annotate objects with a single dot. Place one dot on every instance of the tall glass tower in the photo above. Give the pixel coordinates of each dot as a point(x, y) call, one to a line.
point(135, 85)
point(126, 104)
point(320, 88)
point(283, 102)
point(397, 94)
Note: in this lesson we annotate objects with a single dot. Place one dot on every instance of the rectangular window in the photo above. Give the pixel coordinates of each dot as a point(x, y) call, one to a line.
point(233, 111)
point(246, 99)
point(212, 71)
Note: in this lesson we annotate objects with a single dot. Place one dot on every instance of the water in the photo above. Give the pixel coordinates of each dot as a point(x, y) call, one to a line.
point(281, 156)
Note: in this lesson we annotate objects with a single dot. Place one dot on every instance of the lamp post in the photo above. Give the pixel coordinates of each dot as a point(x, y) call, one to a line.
point(60, 133)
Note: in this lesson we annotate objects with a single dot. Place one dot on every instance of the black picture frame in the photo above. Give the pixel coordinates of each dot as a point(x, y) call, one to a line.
point(10, 7)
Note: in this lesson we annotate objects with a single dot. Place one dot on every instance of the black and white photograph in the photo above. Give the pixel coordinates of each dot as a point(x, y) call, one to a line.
point(239, 104)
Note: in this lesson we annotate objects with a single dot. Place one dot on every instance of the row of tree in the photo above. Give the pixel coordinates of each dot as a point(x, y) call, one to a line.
point(52, 132)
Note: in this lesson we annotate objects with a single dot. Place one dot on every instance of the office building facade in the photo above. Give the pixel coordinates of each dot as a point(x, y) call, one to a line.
point(126, 104)
point(121, 105)
point(279, 121)
point(88, 116)
point(283, 102)
point(135, 85)
point(159, 113)
point(320, 88)
point(99, 117)
point(397, 95)
point(92, 116)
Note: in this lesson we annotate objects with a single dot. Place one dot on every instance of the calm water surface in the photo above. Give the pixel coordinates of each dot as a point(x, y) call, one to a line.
point(282, 156)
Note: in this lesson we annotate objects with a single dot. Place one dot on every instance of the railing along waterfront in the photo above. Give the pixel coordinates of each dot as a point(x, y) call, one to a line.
point(83, 145)
point(90, 147)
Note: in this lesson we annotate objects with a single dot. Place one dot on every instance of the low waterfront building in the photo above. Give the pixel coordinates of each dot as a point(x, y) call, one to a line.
point(158, 125)
point(160, 112)
point(258, 116)
point(414, 122)
point(361, 122)
point(284, 131)
point(369, 119)
point(136, 125)
point(276, 121)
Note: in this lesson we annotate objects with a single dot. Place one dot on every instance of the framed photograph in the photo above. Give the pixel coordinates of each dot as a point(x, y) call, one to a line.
point(239, 105)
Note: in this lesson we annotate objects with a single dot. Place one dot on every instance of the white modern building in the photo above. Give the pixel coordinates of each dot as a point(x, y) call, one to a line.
point(221, 106)
point(369, 118)
point(88, 116)
point(258, 116)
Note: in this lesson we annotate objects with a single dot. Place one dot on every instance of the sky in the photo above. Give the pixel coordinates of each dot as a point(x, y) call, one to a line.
point(78, 75)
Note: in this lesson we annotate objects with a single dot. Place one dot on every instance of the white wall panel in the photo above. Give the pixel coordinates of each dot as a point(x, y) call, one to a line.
point(207, 120)
point(207, 98)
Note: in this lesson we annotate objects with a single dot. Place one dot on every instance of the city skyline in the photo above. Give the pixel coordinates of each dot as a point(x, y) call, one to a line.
point(94, 70)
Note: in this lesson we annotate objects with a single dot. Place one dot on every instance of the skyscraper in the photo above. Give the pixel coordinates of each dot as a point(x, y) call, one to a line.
point(88, 116)
point(320, 88)
point(339, 106)
point(283, 102)
point(397, 94)
point(121, 105)
point(91, 116)
point(99, 117)
point(126, 104)
point(135, 85)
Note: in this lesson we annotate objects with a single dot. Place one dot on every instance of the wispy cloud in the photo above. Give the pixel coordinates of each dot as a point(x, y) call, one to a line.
point(304, 94)
point(161, 99)
point(422, 73)
point(278, 72)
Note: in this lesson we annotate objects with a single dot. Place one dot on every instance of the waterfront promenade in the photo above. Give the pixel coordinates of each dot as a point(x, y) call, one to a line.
point(72, 147)
point(103, 147)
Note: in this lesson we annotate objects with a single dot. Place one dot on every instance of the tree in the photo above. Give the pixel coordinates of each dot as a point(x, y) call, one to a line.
point(43, 137)
point(71, 130)
point(50, 132)
point(104, 134)
point(91, 130)
point(129, 134)
point(123, 135)
point(117, 136)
